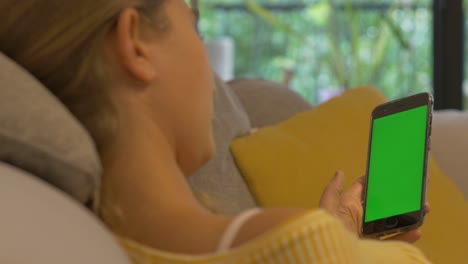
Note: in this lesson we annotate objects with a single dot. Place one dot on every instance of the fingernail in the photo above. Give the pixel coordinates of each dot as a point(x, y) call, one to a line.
point(336, 175)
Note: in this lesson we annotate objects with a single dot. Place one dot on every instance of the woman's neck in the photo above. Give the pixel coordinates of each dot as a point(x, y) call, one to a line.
point(145, 195)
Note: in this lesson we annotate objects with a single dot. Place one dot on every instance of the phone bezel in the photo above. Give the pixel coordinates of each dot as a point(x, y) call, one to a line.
point(411, 220)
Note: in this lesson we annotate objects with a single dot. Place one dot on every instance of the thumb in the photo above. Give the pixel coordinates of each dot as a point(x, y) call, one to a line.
point(331, 195)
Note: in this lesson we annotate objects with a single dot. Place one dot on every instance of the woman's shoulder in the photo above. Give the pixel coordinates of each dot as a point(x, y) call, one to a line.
point(293, 241)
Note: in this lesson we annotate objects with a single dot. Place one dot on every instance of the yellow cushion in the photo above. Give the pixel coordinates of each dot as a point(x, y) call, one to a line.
point(291, 163)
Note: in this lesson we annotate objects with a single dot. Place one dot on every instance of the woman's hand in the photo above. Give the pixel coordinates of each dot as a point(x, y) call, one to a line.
point(347, 206)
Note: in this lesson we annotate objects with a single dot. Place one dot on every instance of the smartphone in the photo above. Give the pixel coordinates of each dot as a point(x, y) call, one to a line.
point(395, 189)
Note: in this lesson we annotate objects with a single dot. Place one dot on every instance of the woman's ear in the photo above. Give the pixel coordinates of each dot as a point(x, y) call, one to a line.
point(133, 47)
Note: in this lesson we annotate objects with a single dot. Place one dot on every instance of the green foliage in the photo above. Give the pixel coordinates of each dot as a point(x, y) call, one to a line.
point(328, 46)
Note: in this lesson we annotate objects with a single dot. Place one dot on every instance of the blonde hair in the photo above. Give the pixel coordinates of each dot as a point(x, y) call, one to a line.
point(61, 44)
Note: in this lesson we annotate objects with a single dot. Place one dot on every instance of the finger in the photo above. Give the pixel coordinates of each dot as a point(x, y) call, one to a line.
point(351, 204)
point(331, 195)
point(355, 191)
point(427, 207)
point(410, 236)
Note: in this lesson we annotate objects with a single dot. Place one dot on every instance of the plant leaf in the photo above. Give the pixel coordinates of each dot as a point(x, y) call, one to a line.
point(271, 19)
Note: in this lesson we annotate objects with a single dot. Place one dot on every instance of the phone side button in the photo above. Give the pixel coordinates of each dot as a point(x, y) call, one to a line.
point(430, 124)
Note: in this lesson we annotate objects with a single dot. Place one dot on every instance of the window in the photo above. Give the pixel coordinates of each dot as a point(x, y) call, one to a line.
point(465, 82)
point(319, 48)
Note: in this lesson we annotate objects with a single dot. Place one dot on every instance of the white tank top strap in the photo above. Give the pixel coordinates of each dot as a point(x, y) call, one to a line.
point(233, 228)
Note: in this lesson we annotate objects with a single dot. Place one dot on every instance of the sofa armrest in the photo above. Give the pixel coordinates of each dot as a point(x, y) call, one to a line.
point(268, 103)
point(450, 145)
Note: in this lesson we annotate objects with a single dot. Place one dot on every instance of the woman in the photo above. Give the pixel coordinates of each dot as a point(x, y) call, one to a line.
point(135, 73)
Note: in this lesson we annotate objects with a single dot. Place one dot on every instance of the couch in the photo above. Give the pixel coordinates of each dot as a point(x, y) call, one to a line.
point(49, 169)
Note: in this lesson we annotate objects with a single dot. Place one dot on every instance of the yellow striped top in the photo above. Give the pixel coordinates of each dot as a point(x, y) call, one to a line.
point(314, 237)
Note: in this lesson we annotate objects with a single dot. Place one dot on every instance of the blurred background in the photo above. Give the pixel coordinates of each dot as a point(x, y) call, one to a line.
point(320, 48)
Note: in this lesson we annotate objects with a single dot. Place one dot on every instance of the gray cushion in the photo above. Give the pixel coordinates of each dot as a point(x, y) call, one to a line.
point(449, 144)
point(43, 226)
point(220, 179)
point(40, 136)
point(268, 103)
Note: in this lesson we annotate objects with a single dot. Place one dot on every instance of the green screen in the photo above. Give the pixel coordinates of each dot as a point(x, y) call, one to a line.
point(396, 164)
